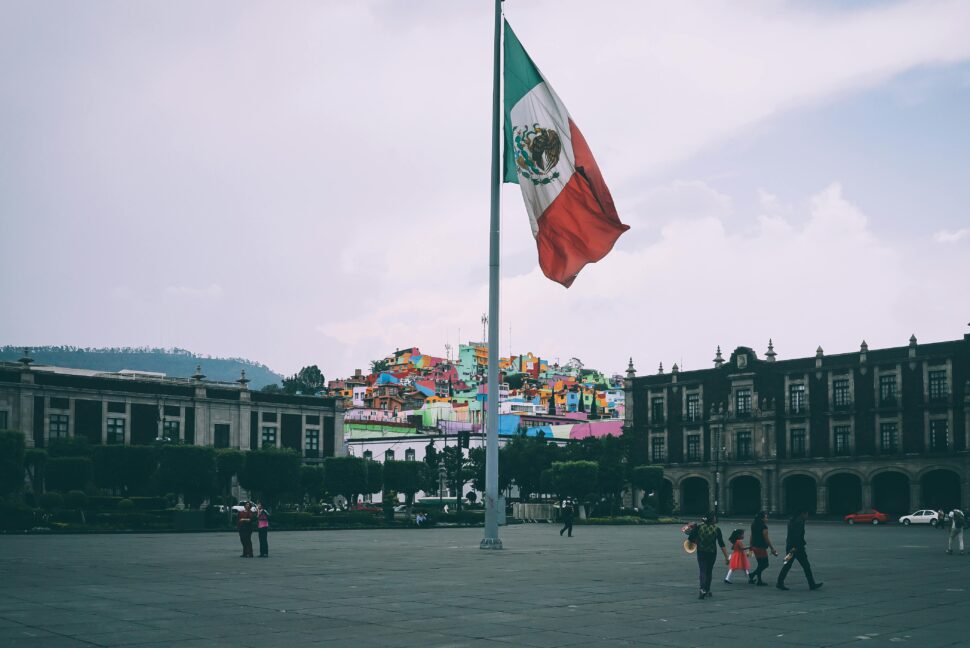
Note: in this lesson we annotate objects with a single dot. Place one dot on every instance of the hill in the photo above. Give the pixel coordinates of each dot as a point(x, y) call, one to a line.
point(177, 363)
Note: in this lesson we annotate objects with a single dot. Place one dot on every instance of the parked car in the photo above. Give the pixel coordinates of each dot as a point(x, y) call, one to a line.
point(364, 506)
point(872, 517)
point(923, 516)
point(242, 506)
point(401, 508)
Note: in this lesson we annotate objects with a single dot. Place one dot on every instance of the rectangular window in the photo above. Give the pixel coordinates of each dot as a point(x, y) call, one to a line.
point(887, 437)
point(798, 442)
point(744, 445)
point(60, 403)
point(887, 390)
point(693, 447)
point(840, 392)
point(658, 450)
point(173, 410)
point(693, 407)
point(388, 455)
point(170, 429)
point(4, 420)
point(116, 429)
point(58, 426)
point(368, 454)
point(269, 436)
point(657, 410)
point(409, 454)
point(938, 390)
point(742, 402)
point(220, 435)
point(117, 408)
point(796, 398)
point(311, 443)
point(269, 417)
point(841, 436)
point(938, 435)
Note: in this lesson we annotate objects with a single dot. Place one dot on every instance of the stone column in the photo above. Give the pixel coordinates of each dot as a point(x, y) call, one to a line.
point(867, 494)
point(822, 504)
point(915, 494)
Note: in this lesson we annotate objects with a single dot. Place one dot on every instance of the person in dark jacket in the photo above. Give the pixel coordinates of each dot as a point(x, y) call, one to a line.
point(244, 523)
point(795, 542)
point(567, 518)
point(760, 545)
point(707, 536)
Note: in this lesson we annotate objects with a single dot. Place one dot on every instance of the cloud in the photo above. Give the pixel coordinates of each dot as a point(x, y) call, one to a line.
point(948, 236)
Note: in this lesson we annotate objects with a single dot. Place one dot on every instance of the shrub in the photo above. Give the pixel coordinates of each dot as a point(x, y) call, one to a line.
point(51, 500)
point(648, 512)
point(76, 499)
point(17, 517)
point(12, 448)
point(69, 473)
point(126, 506)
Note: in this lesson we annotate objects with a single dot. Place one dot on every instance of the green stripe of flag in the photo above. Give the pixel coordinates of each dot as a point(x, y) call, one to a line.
point(521, 76)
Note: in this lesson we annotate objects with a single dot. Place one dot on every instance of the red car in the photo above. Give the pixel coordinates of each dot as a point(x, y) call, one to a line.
point(873, 517)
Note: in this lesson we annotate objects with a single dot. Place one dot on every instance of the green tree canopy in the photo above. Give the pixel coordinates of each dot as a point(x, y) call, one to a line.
point(12, 448)
point(457, 471)
point(35, 461)
point(229, 463)
point(269, 473)
point(345, 476)
point(375, 476)
point(377, 366)
point(126, 469)
point(69, 473)
point(69, 447)
point(576, 479)
point(526, 458)
point(189, 471)
point(648, 479)
point(311, 482)
point(403, 477)
point(308, 381)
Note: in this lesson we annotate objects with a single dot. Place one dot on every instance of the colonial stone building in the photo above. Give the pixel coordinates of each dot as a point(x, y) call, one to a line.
point(885, 428)
point(140, 408)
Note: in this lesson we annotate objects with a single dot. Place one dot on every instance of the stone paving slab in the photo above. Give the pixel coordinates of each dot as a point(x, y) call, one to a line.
point(606, 586)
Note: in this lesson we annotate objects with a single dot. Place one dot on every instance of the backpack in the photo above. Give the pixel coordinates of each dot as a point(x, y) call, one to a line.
point(706, 538)
point(959, 521)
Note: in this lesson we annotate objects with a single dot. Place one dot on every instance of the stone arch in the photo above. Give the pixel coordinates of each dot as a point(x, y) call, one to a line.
point(940, 488)
point(695, 495)
point(800, 491)
point(745, 492)
point(844, 492)
point(890, 491)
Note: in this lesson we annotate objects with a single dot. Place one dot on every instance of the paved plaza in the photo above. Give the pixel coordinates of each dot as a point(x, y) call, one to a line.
point(606, 586)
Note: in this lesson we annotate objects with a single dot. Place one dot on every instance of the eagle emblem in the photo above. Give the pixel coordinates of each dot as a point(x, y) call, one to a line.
point(537, 151)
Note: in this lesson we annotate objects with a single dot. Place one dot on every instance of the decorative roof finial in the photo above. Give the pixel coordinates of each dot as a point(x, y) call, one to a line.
point(26, 359)
point(630, 371)
point(243, 380)
point(718, 360)
point(198, 375)
point(771, 351)
point(661, 369)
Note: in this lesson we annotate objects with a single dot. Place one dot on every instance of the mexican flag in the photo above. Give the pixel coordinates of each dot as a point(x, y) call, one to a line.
point(570, 209)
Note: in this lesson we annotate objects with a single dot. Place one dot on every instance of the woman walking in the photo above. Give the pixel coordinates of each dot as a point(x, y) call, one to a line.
point(244, 523)
point(262, 528)
point(708, 538)
point(760, 545)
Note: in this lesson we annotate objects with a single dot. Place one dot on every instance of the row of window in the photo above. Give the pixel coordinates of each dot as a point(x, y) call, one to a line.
point(744, 449)
point(389, 454)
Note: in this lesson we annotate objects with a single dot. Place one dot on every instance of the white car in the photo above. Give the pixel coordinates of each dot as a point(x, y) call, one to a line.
point(924, 516)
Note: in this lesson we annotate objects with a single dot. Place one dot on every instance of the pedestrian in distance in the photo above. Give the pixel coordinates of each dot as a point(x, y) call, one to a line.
point(262, 528)
point(957, 522)
point(707, 536)
point(566, 509)
point(796, 551)
point(739, 558)
point(244, 524)
point(940, 520)
point(760, 545)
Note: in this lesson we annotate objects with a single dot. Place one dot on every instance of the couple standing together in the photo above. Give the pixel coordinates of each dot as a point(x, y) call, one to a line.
point(708, 538)
point(246, 520)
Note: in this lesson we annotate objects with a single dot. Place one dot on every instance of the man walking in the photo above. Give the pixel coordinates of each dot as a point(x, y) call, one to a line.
point(795, 542)
point(760, 544)
point(567, 518)
point(957, 522)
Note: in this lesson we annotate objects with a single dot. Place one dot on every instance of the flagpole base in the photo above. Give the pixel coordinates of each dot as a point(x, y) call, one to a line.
point(490, 543)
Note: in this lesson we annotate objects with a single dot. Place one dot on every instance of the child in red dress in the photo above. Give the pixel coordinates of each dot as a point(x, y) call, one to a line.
point(739, 558)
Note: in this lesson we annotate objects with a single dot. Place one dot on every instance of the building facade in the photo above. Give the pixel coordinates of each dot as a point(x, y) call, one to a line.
point(886, 429)
point(137, 408)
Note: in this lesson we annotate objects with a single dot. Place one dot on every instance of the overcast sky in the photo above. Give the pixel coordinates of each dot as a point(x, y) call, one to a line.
point(307, 182)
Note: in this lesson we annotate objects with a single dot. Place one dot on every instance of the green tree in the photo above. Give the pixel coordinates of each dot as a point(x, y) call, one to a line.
point(457, 472)
point(69, 473)
point(375, 476)
point(308, 381)
point(311, 483)
point(576, 479)
point(77, 500)
point(346, 476)
point(649, 480)
point(430, 473)
point(271, 388)
point(478, 468)
point(35, 461)
point(229, 463)
point(270, 473)
point(377, 366)
point(128, 470)
point(403, 477)
point(526, 458)
point(69, 447)
point(12, 448)
point(189, 471)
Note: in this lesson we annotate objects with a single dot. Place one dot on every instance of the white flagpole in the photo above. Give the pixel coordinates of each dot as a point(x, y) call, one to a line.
point(491, 539)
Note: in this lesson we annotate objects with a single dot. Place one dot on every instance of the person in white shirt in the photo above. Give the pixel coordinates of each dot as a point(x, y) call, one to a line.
point(957, 522)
